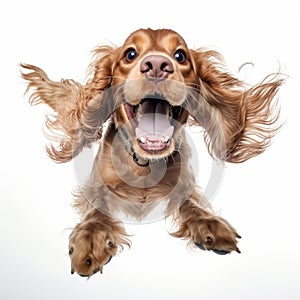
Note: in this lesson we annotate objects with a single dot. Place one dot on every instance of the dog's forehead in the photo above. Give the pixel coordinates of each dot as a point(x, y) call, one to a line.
point(161, 39)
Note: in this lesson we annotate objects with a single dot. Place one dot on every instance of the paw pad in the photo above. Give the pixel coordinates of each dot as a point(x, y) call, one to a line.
point(217, 251)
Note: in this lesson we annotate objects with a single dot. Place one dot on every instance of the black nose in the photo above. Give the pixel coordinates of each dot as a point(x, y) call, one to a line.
point(156, 67)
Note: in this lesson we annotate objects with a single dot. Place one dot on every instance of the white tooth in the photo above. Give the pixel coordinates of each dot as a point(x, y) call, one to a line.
point(143, 139)
point(166, 139)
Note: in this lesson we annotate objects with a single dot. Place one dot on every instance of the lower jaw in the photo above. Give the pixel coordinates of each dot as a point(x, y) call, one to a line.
point(154, 154)
point(154, 148)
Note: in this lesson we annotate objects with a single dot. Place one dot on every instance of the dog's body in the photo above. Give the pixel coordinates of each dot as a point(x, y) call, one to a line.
point(148, 89)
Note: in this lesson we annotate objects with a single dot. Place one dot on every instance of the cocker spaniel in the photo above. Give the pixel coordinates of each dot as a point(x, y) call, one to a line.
point(146, 91)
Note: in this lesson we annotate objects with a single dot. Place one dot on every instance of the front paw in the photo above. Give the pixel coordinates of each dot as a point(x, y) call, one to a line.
point(92, 247)
point(217, 235)
point(210, 233)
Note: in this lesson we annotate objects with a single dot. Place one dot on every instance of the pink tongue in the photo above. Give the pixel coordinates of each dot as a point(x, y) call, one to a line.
point(154, 125)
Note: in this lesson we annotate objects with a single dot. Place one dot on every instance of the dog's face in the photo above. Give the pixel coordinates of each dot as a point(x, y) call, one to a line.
point(155, 68)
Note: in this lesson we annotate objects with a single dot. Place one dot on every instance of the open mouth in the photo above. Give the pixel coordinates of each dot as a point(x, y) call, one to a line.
point(153, 122)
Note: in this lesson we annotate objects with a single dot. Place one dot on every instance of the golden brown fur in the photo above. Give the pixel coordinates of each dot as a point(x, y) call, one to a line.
point(129, 176)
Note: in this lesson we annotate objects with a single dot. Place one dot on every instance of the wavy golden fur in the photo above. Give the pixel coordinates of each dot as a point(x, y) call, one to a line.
point(152, 81)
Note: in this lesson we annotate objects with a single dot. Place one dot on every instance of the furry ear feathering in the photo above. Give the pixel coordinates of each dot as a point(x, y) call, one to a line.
point(247, 115)
point(147, 90)
point(71, 102)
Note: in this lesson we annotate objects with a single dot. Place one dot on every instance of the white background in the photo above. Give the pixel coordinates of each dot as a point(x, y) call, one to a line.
point(260, 197)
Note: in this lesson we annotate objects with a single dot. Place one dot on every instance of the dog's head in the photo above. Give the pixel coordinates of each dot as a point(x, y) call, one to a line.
point(154, 68)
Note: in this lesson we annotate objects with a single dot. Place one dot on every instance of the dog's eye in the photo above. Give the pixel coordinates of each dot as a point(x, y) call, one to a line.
point(180, 56)
point(130, 55)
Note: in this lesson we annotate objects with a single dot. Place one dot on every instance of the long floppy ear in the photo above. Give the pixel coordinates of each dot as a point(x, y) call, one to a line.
point(239, 120)
point(72, 104)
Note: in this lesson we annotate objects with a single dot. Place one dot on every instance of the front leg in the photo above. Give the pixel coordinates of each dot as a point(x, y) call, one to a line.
point(204, 229)
point(94, 242)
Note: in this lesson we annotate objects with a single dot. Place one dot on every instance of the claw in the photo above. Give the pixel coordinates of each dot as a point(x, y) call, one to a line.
point(109, 260)
point(238, 236)
point(200, 246)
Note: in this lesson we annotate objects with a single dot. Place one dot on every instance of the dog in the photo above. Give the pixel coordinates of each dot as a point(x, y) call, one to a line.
point(144, 93)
